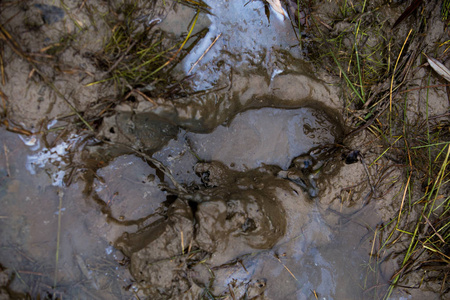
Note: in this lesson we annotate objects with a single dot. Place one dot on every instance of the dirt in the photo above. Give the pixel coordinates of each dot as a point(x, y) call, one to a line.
point(243, 184)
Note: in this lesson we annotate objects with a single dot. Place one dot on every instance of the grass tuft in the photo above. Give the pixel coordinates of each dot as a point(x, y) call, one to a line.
point(378, 68)
point(140, 56)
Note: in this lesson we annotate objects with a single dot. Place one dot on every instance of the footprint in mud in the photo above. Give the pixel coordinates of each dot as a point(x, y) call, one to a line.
point(232, 214)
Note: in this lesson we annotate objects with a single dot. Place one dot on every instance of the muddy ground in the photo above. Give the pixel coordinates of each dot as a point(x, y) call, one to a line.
point(240, 175)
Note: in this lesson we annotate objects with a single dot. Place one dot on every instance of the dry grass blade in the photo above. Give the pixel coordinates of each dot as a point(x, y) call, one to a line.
point(8, 172)
point(4, 99)
point(58, 236)
point(276, 5)
point(204, 53)
point(438, 67)
point(432, 227)
point(395, 69)
point(2, 67)
point(182, 45)
point(287, 269)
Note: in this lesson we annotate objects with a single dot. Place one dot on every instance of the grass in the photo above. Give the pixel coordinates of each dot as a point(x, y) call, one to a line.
point(377, 67)
point(357, 51)
point(143, 58)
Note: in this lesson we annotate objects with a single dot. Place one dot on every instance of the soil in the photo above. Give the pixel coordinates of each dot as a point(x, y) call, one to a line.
point(244, 183)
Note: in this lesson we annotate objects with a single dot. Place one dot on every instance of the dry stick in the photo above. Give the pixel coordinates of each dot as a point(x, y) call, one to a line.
point(182, 242)
point(82, 5)
point(204, 53)
point(141, 94)
point(31, 273)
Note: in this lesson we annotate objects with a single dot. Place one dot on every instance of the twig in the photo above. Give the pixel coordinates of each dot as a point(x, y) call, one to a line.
point(182, 242)
point(182, 45)
point(82, 4)
point(4, 99)
point(31, 273)
point(159, 165)
point(204, 53)
point(2, 67)
point(122, 56)
point(141, 94)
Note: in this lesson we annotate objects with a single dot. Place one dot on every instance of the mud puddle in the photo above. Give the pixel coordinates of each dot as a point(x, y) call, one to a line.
point(46, 224)
point(246, 224)
point(249, 213)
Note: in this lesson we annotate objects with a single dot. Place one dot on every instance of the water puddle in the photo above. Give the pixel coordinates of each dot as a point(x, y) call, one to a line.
point(243, 218)
point(38, 210)
point(265, 136)
point(236, 211)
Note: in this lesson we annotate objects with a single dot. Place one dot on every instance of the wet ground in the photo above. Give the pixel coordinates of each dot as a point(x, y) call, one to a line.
point(271, 230)
point(245, 192)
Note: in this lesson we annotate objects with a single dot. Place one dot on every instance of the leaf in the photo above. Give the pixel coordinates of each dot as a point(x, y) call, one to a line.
point(276, 6)
point(439, 67)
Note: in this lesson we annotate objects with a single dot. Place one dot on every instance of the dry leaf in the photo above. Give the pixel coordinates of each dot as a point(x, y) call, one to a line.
point(439, 67)
point(276, 5)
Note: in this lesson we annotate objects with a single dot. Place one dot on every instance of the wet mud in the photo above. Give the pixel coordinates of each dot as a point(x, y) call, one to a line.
point(242, 184)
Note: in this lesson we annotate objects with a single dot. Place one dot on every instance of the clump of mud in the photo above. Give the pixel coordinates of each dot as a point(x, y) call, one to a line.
point(232, 215)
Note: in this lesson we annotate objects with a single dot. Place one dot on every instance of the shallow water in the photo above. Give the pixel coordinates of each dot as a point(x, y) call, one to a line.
point(316, 253)
point(32, 202)
point(45, 222)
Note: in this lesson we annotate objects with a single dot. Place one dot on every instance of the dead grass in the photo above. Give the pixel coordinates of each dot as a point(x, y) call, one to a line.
point(140, 57)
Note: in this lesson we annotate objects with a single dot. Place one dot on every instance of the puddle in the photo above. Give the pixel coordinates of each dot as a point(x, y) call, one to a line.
point(245, 220)
point(32, 202)
point(272, 234)
point(242, 35)
point(265, 136)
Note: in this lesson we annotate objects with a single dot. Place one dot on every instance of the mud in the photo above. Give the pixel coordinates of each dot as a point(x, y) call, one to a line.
point(234, 215)
point(242, 184)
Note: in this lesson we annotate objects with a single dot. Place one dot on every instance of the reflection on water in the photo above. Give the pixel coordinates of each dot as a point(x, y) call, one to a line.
point(245, 35)
point(265, 136)
point(53, 158)
point(317, 255)
point(31, 201)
